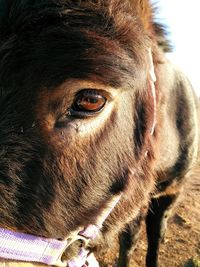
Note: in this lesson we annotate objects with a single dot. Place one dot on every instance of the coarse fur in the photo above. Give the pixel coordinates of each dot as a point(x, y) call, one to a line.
point(58, 171)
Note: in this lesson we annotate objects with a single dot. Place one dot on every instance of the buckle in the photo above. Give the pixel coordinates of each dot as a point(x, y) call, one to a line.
point(70, 240)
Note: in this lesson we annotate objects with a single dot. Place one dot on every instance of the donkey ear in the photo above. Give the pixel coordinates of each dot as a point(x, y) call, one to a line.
point(142, 8)
point(144, 11)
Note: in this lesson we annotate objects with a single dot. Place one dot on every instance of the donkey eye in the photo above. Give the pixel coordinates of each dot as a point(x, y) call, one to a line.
point(88, 102)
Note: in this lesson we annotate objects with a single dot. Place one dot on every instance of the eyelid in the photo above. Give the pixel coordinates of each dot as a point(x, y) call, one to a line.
point(95, 91)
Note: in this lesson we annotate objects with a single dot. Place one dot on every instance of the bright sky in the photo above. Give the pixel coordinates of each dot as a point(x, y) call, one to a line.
point(183, 20)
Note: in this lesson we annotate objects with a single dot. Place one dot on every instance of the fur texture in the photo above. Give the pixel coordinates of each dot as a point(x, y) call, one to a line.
point(58, 171)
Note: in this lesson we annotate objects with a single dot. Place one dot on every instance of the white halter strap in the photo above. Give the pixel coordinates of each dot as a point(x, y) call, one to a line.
point(152, 77)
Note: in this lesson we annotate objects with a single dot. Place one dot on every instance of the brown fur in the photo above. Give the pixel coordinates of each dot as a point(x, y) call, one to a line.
point(58, 172)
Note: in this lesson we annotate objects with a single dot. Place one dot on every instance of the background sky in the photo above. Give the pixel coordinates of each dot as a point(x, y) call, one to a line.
point(183, 24)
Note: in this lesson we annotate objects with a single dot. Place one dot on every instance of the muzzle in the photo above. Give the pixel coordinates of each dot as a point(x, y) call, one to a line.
point(30, 248)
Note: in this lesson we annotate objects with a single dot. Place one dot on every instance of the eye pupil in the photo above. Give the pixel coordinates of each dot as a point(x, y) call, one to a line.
point(91, 100)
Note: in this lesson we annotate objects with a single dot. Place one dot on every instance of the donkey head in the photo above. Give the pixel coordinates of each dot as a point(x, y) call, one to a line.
point(76, 113)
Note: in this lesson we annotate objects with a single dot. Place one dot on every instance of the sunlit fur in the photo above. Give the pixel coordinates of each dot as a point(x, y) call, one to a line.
point(54, 179)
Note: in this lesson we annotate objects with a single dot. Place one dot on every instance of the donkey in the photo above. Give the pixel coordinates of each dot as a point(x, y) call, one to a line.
point(98, 131)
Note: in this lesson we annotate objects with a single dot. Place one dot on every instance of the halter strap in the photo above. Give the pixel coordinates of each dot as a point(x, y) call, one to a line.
point(25, 247)
point(152, 81)
point(30, 248)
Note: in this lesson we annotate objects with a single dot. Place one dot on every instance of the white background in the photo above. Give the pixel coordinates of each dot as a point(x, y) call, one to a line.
point(182, 18)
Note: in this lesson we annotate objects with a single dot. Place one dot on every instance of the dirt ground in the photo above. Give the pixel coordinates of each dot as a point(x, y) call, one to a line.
point(182, 243)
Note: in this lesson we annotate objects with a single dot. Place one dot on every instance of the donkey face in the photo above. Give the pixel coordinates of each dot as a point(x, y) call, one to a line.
point(76, 111)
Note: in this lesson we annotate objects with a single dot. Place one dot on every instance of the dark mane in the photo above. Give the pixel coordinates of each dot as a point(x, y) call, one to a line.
point(162, 39)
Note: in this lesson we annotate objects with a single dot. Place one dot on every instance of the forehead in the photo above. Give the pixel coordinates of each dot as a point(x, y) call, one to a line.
point(79, 54)
point(75, 40)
